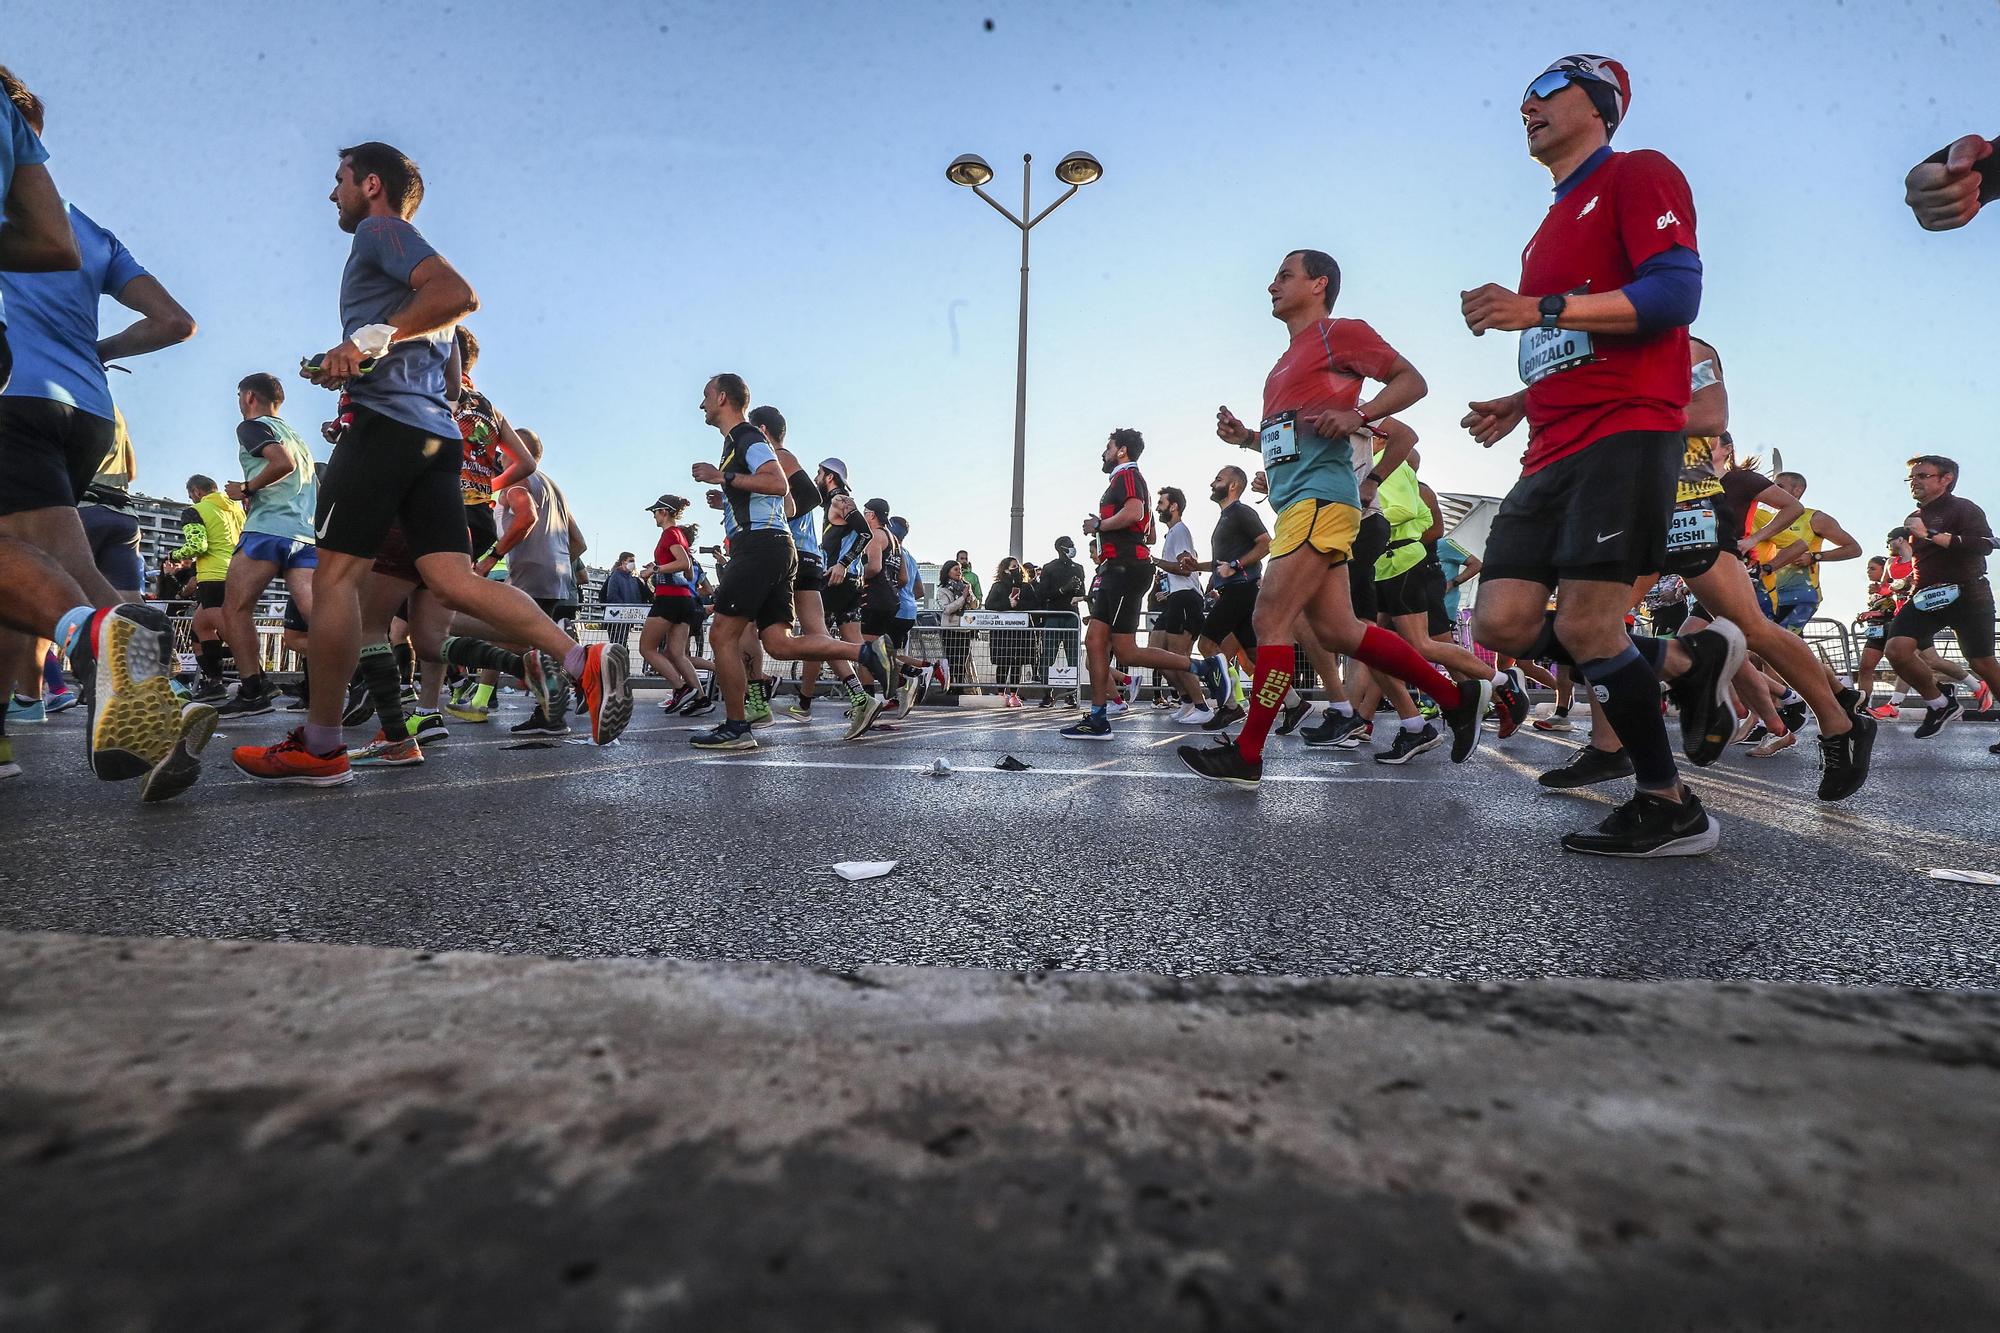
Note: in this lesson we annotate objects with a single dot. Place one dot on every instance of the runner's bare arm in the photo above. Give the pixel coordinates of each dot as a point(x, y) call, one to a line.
point(1491, 420)
point(521, 516)
point(1404, 387)
point(1840, 546)
point(520, 460)
point(1495, 307)
point(277, 466)
point(162, 324)
point(35, 236)
point(1786, 509)
point(1946, 190)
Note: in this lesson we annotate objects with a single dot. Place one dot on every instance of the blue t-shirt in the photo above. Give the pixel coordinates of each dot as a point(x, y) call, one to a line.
point(1451, 559)
point(407, 385)
point(906, 592)
point(52, 329)
point(18, 148)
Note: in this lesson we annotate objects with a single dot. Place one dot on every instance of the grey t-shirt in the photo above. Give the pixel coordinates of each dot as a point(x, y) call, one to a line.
point(1237, 529)
point(407, 385)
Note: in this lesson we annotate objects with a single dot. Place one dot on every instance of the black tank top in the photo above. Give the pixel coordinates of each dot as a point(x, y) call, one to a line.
point(892, 563)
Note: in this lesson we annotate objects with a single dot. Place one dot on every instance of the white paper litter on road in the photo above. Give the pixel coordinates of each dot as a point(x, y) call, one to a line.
point(1966, 877)
point(852, 870)
point(940, 768)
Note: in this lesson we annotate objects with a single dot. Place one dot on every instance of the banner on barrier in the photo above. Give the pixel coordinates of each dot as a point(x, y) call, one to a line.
point(989, 619)
point(625, 615)
point(1061, 676)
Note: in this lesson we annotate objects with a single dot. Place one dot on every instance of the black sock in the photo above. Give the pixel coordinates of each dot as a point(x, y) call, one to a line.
point(1630, 692)
point(406, 663)
point(210, 657)
point(478, 655)
point(1547, 647)
point(378, 671)
point(1653, 650)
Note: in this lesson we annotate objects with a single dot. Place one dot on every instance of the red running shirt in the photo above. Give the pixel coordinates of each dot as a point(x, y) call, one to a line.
point(663, 551)
point(1632, 208)
point(1324, 367)
point(1125, 543)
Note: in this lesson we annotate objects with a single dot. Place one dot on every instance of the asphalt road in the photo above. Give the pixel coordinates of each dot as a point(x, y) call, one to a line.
point(1101, 856)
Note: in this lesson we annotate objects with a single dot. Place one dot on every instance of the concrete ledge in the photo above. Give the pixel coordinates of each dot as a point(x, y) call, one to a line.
point(222, 1136)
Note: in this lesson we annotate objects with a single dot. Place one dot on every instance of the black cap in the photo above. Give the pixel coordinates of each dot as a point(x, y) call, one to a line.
point(665, 502)
point(878, 507)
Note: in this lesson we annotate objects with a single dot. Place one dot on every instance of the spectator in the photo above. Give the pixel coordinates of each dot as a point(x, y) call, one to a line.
point(622, 588)
point(955, 598)
point(1013, 649)
point(972, 579)
point(1060, 586)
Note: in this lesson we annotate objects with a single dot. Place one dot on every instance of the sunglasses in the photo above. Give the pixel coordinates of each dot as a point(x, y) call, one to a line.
point(1547, 85)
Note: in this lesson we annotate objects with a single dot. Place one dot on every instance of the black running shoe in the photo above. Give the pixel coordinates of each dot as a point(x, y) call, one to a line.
point(1048, 701)
point(728, 736)
point(1935, 718)
point(1707, 718)
point(538, 724)
point(1474, 698)
point(1293, 714)
point(1510, 704)
point(359, 707)
point(1332, 729)
point(1649, 825)
point(1793, 714)
point(1089, 727)
point(1757, 735)
point(1588, 767)
point(208, 691)
point(1850, 700)
point(1226, 715)
point(1222, 763)
point(248, 705)
point(1843, 759)
point(1410, 744)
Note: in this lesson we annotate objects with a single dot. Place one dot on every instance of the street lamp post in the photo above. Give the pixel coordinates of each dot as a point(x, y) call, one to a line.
point(1076, 171)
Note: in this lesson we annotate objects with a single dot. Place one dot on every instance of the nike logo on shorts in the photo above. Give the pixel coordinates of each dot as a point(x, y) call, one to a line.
point(1601, 537)
point(320, 532)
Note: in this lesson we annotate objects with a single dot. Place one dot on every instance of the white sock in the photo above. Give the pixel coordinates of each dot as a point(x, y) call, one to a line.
point(1292, 699)
point(1342, 707)
point(1413, 724)
point(1939, 702)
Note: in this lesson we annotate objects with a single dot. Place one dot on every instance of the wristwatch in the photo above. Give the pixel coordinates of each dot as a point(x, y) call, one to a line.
point(1552, 308)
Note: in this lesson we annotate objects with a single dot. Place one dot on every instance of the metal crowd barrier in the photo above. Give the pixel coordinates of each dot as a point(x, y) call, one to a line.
point(270, 644)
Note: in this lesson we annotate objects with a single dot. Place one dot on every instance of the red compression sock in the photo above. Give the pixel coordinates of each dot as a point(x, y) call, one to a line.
point(1388, 652)
point(1275, 665)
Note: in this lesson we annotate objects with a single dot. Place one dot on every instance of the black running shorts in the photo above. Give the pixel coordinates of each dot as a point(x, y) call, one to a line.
point(1120, 597)
point(1370, 540)
point(1970, 617)
point(1600, 515)
point(385, 474)
point(483, 530)
point(1230, 612)
point(757, 582)
point(675, 610)
point(49, 451)
point(1182, 613)
point(1406, 594)
point(811, 577)
point(208, 594)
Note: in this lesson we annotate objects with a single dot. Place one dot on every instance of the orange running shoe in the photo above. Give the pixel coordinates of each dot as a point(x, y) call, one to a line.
point(289, 763)
point(606, 691)
point(385, 753)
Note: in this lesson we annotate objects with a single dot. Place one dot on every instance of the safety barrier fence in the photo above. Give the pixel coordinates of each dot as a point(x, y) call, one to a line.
point(1030, 653)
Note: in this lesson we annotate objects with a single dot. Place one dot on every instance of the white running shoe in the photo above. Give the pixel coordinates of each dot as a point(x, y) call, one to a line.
point(1196, 716)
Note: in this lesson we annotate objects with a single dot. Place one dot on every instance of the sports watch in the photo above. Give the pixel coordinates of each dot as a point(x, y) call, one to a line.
point(1552, 308)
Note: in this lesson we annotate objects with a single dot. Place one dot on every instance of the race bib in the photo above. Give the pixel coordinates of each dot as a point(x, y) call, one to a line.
point(1934, 598)
point(1692, 529)
point(1546, 351)
point(1280, 440)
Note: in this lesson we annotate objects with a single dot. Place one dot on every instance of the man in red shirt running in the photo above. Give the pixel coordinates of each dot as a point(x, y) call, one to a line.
point(1609, 284)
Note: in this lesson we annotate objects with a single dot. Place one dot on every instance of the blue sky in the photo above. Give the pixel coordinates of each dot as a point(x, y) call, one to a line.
point(655, 192)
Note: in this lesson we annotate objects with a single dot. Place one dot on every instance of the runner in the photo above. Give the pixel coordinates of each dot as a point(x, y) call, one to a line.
point(1312, 419)
point(753, 602)
point(1182, 607)
point(1123, 526)
point(663, 643)
point(1236, 549)
point(542, 565)
point(279, 489)
point(1951, 538)
point(1609, 284)
point(805, 496)
point(56, 429)
point(210, 526)
point(1798, 552)
point(397, 461)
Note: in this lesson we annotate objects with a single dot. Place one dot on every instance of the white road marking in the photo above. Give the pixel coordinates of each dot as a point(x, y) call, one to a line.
point(749, 759)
